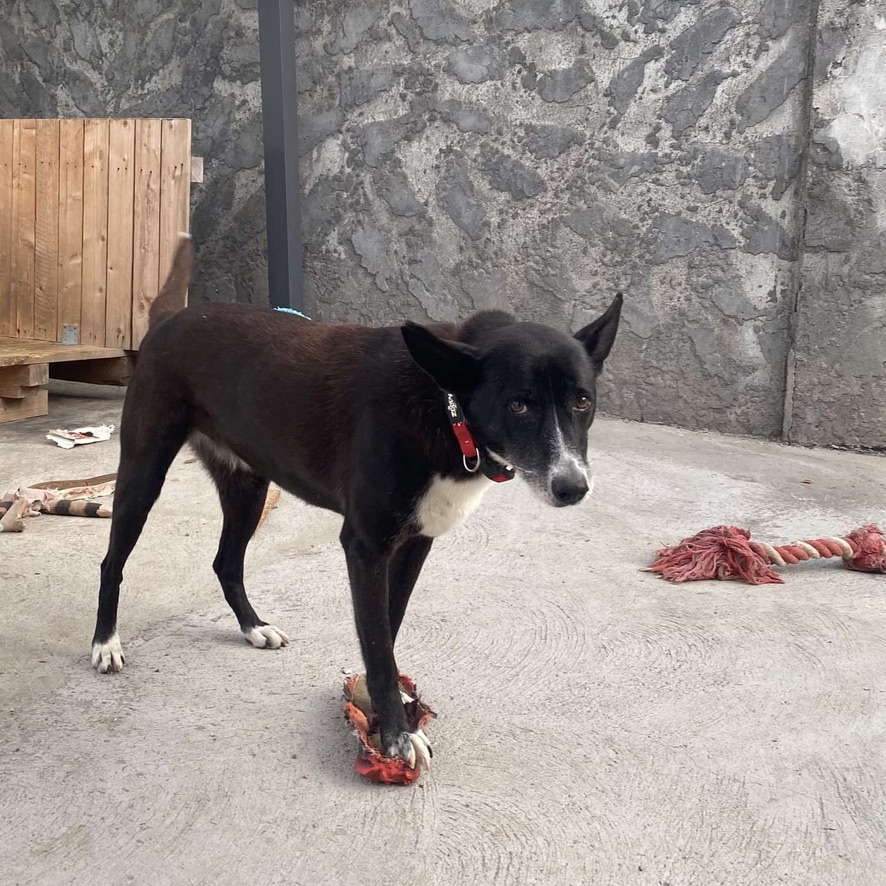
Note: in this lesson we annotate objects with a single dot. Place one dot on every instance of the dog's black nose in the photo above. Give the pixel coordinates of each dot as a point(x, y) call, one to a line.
point(569, 490)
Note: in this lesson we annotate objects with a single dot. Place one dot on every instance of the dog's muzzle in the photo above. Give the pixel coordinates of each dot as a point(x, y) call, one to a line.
point(569, 486)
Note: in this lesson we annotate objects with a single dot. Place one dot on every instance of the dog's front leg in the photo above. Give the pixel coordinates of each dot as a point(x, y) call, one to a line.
point(368, 572)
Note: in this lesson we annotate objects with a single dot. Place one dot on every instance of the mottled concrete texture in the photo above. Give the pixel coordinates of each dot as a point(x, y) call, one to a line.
point(722, 163)
point(840, 391)
point(540, 156)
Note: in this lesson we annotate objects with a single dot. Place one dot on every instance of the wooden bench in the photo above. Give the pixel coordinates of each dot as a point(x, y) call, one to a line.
point(26, 366)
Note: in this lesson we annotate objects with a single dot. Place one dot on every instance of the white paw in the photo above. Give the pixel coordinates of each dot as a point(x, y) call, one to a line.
point(108, 657)
point(266, 636)
point(414, 748)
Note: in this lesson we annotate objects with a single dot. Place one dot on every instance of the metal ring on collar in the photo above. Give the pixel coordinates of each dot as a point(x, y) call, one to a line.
point(468, 468)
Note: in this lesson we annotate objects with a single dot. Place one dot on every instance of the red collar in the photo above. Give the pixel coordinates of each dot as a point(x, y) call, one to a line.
point(474, 460)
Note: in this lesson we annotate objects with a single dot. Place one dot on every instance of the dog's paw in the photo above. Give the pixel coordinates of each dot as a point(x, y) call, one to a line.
point(108, 657)
point(266, 637)
point(414, 748)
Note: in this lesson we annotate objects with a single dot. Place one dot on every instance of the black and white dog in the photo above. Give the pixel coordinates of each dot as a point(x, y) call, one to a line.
point(400, 430)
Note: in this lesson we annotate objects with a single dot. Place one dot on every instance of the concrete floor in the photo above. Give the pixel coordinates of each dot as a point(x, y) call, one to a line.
point(596, 725)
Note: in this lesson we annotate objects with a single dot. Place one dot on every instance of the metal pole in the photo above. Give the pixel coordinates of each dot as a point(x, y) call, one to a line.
point(276, 29)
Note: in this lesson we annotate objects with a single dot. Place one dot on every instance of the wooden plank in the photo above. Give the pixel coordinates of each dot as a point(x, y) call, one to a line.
point(18, 392)
point(96, 134)
point(121, 177)
point(46, 231)
point(28, 407)
point(175, 190)
point(32, 374)
point(8, 318)
point(70, 231)
point(18, 351)
point(146, 225)
point(23, 219)
point(81, 483)
point(107, 371)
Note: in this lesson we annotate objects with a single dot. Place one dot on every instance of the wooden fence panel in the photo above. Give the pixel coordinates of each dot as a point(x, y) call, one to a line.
point(46, 231)
point(90, 217)
point(121, 179)
point(146, 234)
point(95, 231)
point(8, 306)
point(175, 189)
point(24, 201)
point(70, 228)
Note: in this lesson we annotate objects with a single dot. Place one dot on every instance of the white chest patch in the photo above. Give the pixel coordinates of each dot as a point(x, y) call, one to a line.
point(447, 502)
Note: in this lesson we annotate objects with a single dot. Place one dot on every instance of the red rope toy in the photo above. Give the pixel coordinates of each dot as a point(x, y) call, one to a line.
point(371, 763)
point(726, 552)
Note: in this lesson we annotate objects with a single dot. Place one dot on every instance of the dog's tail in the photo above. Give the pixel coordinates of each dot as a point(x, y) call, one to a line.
point(171, 298)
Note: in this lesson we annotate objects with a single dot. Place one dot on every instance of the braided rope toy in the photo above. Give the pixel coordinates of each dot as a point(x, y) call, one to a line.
point(371, 763)
point(727, 552)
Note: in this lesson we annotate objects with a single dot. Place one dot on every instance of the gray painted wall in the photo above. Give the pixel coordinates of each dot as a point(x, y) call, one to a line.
point(539, 156)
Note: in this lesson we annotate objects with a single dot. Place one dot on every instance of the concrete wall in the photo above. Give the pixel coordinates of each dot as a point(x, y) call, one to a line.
point(839, 387)
point(539, 155)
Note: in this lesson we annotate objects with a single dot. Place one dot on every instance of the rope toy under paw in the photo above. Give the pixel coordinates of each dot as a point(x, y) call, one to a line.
point(371, 763)
point(727, 552)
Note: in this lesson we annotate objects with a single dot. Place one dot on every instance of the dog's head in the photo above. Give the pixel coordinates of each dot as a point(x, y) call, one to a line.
point(529, 392)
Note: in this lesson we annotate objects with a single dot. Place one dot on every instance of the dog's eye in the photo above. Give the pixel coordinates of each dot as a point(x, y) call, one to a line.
point(582, 403)
point(518, 407)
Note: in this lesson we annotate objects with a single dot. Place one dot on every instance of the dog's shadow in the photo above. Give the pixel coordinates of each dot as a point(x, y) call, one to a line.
point(325, 739)
point(317, 731)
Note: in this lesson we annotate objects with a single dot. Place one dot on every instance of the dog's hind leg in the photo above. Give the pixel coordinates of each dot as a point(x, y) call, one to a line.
point(148, 444)
point(242, 494)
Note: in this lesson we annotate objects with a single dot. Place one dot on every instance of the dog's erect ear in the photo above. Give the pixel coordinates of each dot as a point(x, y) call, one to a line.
point(454, 366)
point(599, 336)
